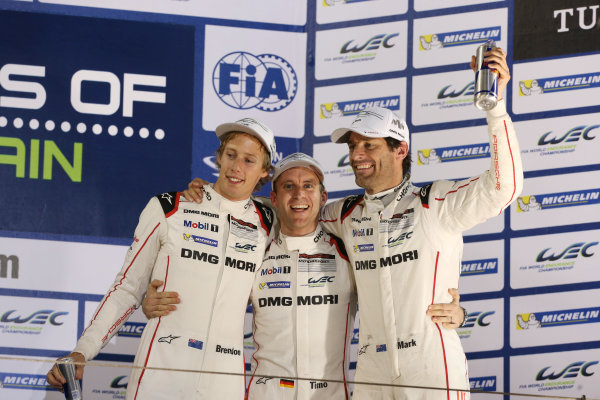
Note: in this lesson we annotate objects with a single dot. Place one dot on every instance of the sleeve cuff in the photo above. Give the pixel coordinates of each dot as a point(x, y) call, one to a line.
point(499, 110)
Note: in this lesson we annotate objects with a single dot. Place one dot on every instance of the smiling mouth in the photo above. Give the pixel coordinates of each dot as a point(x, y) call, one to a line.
point(362, 166)
point(234, 180)
point(299, 207)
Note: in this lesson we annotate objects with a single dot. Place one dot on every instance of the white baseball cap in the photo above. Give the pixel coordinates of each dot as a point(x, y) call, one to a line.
point(374, 122)
point(298, 160)
point(251, 127)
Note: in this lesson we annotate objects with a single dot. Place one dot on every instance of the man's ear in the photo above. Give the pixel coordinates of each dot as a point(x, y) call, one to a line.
point(324, 197)
point(274, 199)
point(402, 150)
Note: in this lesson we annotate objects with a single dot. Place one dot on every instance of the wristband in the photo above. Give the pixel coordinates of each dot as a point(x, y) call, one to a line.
point(465, 316)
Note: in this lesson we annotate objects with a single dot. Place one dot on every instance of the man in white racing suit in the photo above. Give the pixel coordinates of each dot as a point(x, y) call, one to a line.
point(209, 253)
point(303, 297)
point(410, 248)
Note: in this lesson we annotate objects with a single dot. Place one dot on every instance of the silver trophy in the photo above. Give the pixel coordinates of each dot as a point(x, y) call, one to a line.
point(486, 80)
point(72, 389)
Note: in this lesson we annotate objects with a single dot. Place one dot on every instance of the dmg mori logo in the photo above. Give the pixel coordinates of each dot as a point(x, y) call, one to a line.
point(5, 263)
point(266, 81)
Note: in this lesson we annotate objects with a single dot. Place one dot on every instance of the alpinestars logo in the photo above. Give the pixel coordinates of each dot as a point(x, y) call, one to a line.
point(266, 82)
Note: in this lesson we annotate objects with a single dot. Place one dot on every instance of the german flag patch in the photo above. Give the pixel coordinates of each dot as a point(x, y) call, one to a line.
point(286, 383)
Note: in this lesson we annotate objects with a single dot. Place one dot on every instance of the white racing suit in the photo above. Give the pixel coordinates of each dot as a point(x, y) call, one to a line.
point(304, 304)
point(407, 254)
point(209, 253)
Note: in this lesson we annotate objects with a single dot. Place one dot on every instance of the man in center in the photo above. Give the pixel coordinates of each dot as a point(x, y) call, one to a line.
point(303, 296)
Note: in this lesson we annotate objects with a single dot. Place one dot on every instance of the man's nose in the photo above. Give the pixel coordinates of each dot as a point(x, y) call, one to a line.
point(356, 153)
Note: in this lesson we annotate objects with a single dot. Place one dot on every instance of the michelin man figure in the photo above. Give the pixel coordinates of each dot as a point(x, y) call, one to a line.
point(534, 89)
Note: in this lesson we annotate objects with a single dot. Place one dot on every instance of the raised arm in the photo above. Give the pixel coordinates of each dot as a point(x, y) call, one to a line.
point(463, 204)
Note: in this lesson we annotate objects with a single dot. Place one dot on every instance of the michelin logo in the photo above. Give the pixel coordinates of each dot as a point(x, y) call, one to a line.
point(353, 107)
point(364, 247)
point(132, 329)
point(557, 200)
point(274, 285)
point(484, 383)
point(331, 3)
point(201, 240)
point(454, 153)
point(24, 381)
point(459, 38)
point(558, 318)
point(559, 84)
point(479, 267)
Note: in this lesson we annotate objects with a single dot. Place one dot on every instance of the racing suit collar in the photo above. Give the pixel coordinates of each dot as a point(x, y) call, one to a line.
point(222, 204)
point(380, 200)
point(300, 242)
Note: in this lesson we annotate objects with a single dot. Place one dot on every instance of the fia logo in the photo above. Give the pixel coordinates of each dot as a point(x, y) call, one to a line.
point(266, 81)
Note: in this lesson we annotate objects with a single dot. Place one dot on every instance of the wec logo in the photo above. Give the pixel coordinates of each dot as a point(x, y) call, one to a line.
point(371, 44)
point(37, 317)
point(120, 382)
point(448, 91)
point(344, 161)
point(570, 371)
point(477, 318)
point(572, 251)
point(244, 248)
point(572, 135)
point(322, 280)
point(266, 81)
